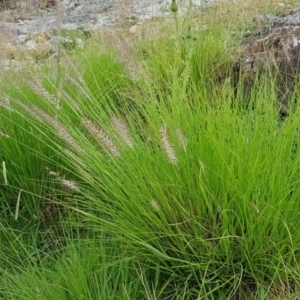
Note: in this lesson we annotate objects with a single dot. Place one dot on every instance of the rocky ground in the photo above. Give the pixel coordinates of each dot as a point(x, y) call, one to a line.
point(28, 17)
point(31, 25)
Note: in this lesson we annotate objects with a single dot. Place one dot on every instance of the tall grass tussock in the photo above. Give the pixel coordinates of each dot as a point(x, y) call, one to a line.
point(165, 185)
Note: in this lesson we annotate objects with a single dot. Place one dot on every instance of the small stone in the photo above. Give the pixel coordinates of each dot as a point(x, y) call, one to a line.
point(79, 43)
point(30, 44)
point(133, 29)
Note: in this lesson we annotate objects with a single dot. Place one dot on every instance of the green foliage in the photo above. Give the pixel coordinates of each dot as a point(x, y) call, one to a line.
point(88, 269)
point(175, 190)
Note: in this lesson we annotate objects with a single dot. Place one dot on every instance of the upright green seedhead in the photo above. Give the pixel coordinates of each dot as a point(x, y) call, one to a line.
point(174, 7)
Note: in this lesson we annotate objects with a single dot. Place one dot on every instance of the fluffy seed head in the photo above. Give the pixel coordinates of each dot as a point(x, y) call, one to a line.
point(4, 134)
point(70, 185)
point(78, 86)
point(61, 131)
point(101, 136)
point(168, 146)
point(5, 102)
point(51, 173)
point(37, 86)
point(122, 130)
point(71, 101)
point(155, 205)
point(181, 139)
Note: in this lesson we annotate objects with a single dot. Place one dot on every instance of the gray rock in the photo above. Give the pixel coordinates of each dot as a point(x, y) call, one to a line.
point(275, 48)
point(97, 13)
point(291, 18)
point(30, 45)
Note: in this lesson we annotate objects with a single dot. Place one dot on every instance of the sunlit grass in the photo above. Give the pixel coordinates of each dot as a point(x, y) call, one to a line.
point(167, 185)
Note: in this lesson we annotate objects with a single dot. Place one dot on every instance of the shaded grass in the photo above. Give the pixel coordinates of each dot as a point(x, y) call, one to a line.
point(87, 269)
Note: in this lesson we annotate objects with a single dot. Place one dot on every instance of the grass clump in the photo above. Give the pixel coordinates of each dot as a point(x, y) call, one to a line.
point(166, 185)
